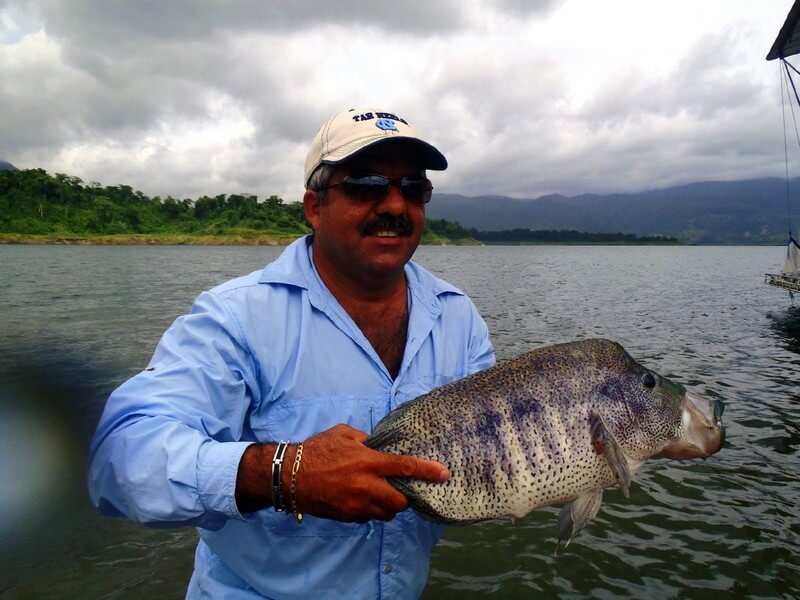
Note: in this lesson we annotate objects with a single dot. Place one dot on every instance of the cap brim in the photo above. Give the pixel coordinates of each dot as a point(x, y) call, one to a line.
point(428, 156)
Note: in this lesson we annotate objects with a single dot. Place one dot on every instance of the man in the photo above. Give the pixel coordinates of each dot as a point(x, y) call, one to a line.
point(313, 350)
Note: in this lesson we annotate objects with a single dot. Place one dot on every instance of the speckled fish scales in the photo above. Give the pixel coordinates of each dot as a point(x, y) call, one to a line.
point(555, 425)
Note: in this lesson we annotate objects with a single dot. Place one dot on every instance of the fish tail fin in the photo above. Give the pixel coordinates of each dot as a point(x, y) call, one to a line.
point(575, 515)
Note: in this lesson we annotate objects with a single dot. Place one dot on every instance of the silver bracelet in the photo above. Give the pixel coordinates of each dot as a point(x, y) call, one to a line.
point(293, 487)
point(277, 463)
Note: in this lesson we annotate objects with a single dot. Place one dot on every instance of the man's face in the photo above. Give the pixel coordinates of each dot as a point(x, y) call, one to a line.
point(366, 242)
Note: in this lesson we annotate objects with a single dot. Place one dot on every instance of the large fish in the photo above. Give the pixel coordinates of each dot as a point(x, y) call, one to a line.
point(556, 425)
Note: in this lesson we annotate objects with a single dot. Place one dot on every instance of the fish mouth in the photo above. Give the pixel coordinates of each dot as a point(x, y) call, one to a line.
point(702, 431)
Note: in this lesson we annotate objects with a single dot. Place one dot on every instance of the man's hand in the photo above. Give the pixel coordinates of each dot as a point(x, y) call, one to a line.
point(339, 477)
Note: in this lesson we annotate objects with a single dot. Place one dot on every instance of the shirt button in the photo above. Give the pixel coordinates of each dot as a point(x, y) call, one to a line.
point(388, 568)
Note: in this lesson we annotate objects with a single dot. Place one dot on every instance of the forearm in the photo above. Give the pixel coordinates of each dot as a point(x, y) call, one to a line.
point(254, 477)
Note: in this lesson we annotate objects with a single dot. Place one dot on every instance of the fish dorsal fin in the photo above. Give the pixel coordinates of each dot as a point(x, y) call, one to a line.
point(576, 514)
point(604, 443)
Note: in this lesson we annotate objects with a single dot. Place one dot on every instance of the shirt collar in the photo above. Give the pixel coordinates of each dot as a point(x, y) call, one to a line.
point(294, 267)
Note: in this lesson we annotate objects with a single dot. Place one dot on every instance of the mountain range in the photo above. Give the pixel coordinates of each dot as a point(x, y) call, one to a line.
point(751, 211)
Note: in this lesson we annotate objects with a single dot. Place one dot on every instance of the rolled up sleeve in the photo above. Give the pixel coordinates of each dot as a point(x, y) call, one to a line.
point(168, 445)
point(481, 351)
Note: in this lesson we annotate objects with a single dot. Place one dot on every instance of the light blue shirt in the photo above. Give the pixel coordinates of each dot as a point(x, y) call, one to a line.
point(265, 357)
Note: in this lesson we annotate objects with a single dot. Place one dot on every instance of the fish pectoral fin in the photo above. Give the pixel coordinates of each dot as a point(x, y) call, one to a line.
point(575, 515)
point(604, 443)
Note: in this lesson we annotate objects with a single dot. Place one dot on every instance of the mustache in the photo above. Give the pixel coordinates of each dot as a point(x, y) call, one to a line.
point(400, 224)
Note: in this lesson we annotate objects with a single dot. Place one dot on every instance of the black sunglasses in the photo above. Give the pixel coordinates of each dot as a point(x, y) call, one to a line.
point(372, 188)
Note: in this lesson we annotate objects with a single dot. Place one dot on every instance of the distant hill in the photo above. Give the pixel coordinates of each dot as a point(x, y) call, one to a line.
point(7, 166)
point(750, 211)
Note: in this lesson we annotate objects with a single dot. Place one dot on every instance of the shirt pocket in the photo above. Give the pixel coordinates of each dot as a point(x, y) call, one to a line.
point(299, 419)
point(429, 383)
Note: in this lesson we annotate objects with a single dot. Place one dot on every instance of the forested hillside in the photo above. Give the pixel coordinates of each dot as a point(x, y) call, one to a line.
point(34, 203)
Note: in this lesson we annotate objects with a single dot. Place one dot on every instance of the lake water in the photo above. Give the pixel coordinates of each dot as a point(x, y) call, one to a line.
point(75, 321)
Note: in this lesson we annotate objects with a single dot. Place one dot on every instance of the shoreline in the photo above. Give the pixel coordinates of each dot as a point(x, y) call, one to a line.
point(260, 240)
point(144, 239)
point(149, 240)
point(274, 239)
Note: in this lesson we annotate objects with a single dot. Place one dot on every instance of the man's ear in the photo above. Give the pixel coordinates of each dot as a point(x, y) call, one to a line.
point(311, 207)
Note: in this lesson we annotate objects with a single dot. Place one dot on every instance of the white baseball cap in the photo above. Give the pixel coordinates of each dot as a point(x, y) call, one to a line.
point(351, 131)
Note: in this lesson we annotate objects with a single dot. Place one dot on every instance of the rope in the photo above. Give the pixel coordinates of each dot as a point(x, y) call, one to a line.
point(784, 92)
point(786, 80)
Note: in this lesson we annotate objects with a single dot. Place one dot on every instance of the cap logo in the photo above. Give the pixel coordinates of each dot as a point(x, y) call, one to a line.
point(386, 125)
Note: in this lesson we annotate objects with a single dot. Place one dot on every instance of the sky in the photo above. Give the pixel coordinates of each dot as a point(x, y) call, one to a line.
point(524, 97)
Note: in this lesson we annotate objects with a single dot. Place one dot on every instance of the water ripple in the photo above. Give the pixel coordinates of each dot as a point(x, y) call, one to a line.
point(698, 315)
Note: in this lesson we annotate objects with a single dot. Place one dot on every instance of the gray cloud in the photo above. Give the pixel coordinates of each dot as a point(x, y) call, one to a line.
point(527, 7)
point(120, 23)
point(186, 98)
point(112, 72)
point(705, 83)
point(707, 118)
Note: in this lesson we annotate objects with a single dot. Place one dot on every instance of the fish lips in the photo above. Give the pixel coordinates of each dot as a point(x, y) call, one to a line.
point(702, 431)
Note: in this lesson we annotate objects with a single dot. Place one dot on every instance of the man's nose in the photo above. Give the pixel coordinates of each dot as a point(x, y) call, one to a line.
point(393, 203)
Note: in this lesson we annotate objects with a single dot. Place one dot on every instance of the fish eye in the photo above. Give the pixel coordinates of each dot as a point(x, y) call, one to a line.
point(649, 381)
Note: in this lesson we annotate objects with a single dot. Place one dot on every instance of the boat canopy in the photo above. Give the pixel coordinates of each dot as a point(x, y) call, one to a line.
point(788, 41)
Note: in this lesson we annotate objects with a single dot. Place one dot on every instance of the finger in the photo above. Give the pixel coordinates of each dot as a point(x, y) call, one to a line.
point(388, 507)
point(411, 467)
point(384, 515)
point(394, 501)
point(383, 503)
